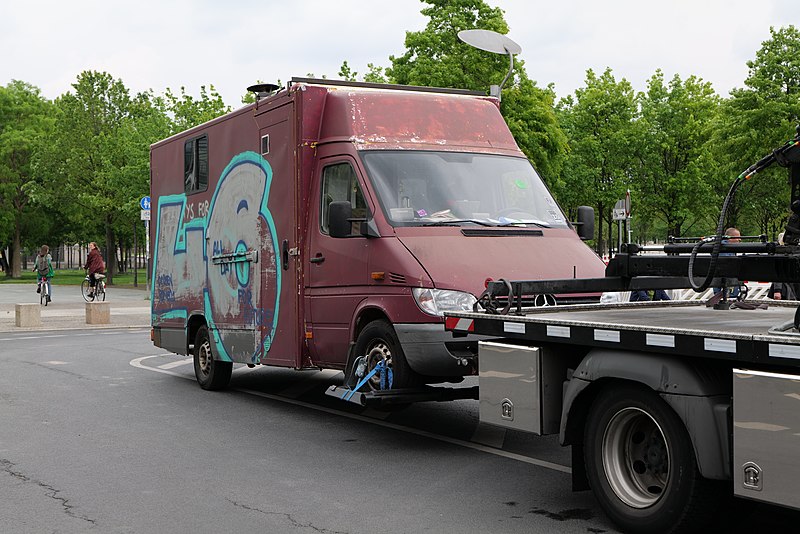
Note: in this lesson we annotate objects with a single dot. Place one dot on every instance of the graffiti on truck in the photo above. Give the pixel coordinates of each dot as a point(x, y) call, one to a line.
point(220, 258)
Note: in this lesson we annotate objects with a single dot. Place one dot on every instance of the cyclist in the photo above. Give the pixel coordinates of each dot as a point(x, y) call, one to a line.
point(94, 266)
point(43, 268)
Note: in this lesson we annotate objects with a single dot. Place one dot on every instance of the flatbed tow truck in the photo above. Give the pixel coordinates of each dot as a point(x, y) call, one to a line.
point(674, 410)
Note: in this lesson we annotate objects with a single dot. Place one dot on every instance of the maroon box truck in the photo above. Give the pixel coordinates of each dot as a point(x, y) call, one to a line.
point(333, 220)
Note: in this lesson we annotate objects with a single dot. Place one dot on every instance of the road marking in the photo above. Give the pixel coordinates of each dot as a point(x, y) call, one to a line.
point(172, 365)
point(356, 417)
point(52, 336)
point(490, 435)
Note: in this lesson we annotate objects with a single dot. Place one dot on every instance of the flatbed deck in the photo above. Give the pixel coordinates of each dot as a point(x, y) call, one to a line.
point(758, 336)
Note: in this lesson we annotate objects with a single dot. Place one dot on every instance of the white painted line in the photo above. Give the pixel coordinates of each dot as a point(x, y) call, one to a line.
point(660, 340)
point(172, 365)
point(490, 435)
point(606, 335)
point(719, 345)
point(558, 331)
point(457, 442)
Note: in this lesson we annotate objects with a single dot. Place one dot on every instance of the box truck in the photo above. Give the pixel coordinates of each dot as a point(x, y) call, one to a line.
point(334, 220)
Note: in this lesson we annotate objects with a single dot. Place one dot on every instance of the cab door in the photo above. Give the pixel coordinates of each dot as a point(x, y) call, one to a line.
point(337, 277)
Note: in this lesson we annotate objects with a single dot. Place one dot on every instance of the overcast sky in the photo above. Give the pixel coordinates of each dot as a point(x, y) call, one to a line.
point(158, 44)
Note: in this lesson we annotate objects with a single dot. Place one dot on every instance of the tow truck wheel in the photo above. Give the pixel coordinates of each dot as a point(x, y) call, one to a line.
point(211, 374)
point(641, 464)
point(378, 341)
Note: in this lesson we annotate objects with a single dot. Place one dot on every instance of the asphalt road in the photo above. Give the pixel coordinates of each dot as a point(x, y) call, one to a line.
point(101, 432)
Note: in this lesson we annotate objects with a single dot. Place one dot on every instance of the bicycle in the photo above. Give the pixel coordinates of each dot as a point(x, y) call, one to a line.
point(99, 293)
point(44, 293)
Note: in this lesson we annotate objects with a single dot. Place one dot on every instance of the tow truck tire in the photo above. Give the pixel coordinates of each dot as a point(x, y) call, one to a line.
point(211, 374)
point(641, 464)
point(378, 341)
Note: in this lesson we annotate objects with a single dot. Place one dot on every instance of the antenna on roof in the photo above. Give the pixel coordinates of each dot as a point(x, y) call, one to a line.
point(262, 90)
point(492, 42)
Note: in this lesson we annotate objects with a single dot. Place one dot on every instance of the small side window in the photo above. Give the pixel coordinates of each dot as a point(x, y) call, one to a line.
point(339, 182)
point(195, 165)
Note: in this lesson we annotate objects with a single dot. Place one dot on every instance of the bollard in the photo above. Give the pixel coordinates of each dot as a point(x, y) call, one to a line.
point(98, 313)
point(27, 315)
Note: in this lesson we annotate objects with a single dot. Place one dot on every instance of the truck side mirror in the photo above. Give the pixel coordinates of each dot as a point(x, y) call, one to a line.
point(585, 222)
point(339, 214)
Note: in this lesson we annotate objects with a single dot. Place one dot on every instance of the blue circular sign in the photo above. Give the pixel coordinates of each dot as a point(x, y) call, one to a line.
point(145, 203)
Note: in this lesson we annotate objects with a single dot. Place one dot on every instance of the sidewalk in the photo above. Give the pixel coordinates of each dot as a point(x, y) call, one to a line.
point(129, 308)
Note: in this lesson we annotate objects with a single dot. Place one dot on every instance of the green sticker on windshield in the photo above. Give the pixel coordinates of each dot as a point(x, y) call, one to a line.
point(522, 184)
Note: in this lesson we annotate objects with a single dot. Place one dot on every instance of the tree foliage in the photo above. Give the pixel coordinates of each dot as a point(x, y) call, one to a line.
point(753, 121)
point(25, 116)
point(674, 151)
point(599, 122)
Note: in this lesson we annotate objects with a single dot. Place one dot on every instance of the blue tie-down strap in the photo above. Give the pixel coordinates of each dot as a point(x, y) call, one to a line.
point(385, 378)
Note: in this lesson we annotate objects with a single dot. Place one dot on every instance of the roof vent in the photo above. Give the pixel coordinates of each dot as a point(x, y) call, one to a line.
point(263, 90)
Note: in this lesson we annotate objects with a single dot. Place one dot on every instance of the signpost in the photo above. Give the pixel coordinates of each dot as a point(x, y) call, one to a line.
point(144, 203)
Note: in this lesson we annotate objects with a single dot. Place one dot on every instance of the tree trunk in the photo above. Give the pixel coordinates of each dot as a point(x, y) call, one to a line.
point(111, 251)
point(14, 253)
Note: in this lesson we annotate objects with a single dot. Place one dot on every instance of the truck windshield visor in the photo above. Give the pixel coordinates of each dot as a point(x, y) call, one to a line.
point(425, 188)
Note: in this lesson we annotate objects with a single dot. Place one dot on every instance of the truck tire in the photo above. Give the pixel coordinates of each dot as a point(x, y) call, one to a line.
point(378, 341)
point(211, 374)
point(641, 464)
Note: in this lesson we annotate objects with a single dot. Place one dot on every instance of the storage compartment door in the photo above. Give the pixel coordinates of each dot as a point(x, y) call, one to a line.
point(766, 437)
point(520, 387)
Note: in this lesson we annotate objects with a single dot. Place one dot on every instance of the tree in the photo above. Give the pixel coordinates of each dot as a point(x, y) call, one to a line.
point(436, 57)
point(674, 151)
point(599, 124)
point(87, 160)
point(755, 120)
point(188, 112)
point(25, 117)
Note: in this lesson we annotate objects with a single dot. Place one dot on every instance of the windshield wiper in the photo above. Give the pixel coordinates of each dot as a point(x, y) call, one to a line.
point(456, 222)
point(540, 224)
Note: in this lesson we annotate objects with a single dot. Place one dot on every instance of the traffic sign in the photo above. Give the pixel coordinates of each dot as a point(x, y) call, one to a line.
point(145, 214)
point(144, 203)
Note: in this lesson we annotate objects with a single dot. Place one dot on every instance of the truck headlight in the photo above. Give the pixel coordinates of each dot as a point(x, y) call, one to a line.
point(437, 301)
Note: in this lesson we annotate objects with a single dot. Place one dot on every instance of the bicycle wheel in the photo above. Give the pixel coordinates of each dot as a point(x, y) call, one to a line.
point(100, 292)
point(85, 287)
point(43, 293)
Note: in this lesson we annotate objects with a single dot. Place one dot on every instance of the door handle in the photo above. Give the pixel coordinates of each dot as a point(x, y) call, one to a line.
point(285, 254)
point(319, 258)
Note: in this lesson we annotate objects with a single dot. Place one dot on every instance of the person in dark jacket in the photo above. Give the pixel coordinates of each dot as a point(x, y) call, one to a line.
point(94, 265)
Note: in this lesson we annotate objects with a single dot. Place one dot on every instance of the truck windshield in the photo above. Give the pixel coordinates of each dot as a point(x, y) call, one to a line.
point(419, 188)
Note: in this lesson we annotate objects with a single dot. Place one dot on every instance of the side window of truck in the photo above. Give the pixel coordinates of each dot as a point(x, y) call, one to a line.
point(195, 165)
point(339, 182)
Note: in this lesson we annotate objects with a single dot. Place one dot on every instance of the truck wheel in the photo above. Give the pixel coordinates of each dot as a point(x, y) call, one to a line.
point(379, 342)
point(211, 374)
point(641, 464)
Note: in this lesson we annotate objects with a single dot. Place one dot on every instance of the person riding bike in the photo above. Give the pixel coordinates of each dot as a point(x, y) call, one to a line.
point(94, 266)
point(43, 268)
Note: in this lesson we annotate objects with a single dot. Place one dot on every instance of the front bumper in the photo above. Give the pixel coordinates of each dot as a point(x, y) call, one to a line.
point(432, 351)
